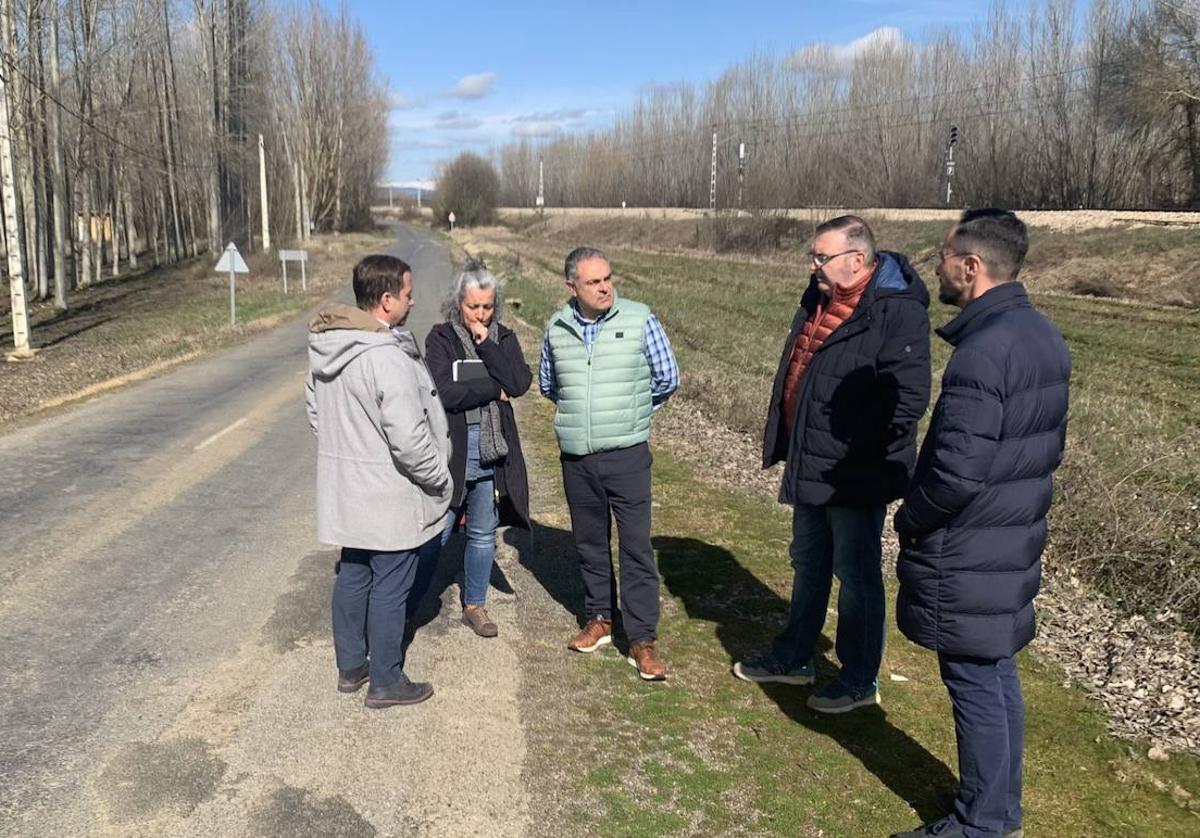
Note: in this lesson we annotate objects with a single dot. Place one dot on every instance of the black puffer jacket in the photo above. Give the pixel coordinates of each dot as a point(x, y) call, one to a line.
point(973, 523)
point(853, 442)
point(506, 369)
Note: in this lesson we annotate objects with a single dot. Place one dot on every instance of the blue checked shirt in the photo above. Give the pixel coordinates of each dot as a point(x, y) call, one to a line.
point(664, 370)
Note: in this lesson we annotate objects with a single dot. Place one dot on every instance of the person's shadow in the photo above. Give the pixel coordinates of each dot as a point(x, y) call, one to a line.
point(548, 553)
point(714, 586)
point(437, 570)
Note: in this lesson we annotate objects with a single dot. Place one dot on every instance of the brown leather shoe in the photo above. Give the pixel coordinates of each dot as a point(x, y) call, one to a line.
point(595, 634)
point(645, 657)
point(479, 621)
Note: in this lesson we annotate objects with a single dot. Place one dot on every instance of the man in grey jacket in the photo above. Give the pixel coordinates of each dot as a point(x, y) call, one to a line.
point(383, 476)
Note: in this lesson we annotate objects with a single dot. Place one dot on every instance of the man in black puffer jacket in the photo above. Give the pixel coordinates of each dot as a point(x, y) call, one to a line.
point(973, 523)
point(853, 382)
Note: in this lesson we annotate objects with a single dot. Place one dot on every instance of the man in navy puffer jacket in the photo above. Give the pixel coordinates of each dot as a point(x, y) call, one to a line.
point(973, 523)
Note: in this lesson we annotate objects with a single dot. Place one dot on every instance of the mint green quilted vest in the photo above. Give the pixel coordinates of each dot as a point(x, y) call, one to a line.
point(603, 396)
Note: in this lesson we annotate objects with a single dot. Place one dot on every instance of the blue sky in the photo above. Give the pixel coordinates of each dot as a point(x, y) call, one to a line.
point(472, 75)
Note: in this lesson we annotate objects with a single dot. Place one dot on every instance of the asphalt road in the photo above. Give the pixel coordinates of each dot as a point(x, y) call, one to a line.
point(164, 641)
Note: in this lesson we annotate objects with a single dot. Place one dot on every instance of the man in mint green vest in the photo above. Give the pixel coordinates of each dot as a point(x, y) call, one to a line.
point(607, 364)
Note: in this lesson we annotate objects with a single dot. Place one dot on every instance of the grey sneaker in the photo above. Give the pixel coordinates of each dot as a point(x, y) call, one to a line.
point(768, 670)
point(836, 698)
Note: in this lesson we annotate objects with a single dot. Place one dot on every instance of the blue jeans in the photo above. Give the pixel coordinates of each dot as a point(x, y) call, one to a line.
point(846, 541)
point(478, 555)
point(989, 724)
point(370, 606)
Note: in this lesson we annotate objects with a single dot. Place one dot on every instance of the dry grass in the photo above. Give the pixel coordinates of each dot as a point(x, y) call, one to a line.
point(1126, 520)
point(158, 317)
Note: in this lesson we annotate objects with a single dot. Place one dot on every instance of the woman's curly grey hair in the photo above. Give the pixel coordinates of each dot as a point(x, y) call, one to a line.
point(473, 275)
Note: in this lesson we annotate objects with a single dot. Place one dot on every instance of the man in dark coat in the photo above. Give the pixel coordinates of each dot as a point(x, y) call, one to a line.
point(852, 384)
point(973, 523)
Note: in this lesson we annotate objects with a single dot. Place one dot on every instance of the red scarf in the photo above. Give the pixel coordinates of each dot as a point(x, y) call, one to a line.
point(824, 321)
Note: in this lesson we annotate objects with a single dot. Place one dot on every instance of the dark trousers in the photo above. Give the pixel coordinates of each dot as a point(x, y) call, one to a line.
point(989, 723)
point(600, 487)
point(842, 541)
point(370, 606)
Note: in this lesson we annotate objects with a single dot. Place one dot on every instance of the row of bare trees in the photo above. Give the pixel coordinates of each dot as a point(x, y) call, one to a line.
point(1052, 112)
point(134, 130)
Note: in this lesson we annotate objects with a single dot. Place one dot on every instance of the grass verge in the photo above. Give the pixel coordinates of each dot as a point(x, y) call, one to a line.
point(1126, 520)
point(706, 754)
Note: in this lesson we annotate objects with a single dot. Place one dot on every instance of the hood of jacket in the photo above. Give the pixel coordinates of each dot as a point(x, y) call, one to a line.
point(896, 276)
point(342, 333)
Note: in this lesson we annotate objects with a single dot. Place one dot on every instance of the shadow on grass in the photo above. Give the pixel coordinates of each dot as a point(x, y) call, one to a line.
point(549, 554)
point(714, 586)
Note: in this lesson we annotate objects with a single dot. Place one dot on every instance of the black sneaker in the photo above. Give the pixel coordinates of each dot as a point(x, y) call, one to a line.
point(351, 681)
point(403, 691)
point(947, 827)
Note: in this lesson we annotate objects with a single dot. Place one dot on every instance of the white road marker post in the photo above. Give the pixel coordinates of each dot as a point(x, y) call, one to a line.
point(233, 262)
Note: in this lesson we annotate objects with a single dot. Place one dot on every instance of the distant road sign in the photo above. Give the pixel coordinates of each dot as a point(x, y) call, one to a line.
point(300, 256)
point(232, 261)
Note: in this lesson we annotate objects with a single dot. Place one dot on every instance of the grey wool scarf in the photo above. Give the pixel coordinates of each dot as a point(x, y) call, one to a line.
point(492, 447)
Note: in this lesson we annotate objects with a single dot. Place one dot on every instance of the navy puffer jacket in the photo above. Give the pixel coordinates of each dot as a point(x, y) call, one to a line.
point(853, 441)
point(973, 523)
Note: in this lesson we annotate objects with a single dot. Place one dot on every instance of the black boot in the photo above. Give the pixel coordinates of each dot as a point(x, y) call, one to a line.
point(403, 691)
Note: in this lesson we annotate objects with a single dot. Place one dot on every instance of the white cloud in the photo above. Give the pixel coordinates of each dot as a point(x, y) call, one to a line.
point(536, 129)
point(474, 86)
point(397, 101)
point(560, 115)
point(825, 56)
point(457, 121)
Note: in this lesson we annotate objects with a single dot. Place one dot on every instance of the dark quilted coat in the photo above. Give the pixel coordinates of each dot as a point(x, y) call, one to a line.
point(973, 523)
point(853, 441)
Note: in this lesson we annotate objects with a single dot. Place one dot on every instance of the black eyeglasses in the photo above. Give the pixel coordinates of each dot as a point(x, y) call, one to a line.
point(821, 260)
point(943, 256)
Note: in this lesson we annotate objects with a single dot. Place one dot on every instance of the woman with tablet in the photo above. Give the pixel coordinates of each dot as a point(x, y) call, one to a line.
point(478, 366)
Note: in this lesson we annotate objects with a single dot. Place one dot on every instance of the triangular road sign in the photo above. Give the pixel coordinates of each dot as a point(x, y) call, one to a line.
point(231, 260)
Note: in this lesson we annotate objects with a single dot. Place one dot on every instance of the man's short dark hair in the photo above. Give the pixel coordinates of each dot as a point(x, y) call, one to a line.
point(377, 275)
point(858, 234)
point(997, 237)
point(580, 254)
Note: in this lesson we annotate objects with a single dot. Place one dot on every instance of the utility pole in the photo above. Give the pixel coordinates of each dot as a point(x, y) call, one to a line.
point(950, 161)
point(306, 223)
point(712, 183)
point(262, 188)
point(741, 171)
point(541, 195)
point(16, 276)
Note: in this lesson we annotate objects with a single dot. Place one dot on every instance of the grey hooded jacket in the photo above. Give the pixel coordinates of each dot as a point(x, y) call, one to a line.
point(383, 442)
